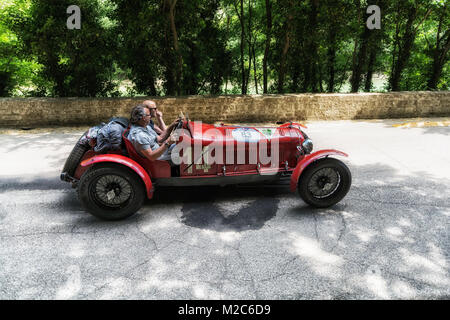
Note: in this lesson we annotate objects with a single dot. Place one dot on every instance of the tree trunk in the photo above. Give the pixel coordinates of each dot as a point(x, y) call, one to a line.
point(405, 47)
point(241, 19)
point(440, 52)
point(355, 80)
point(440, 58)
point(344, 75)
point(314, 46)
point(282, 72)
point(254, 68)
point(321, 79)
point(369, 74)
point(375, 41)
point(357, 38)
point(310, 82)
point(228, 70)
point(287, 43)
point(404, 51)
point(295, 79)
point(396, 39)
point(190, 83)
point(179, 70)
point(152, 89)
point(168, 61)
point(369, 46)
point(249, 42)
point(331, 54)
point(268, 38)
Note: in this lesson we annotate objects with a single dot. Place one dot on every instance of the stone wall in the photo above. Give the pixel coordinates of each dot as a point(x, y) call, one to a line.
point(35, 112)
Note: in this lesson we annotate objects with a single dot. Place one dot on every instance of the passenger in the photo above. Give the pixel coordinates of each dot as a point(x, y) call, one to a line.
point(145, 140)
point(155, 114)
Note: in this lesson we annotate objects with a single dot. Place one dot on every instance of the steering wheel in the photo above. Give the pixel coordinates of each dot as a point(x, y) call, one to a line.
point(187, 125)
point(180, 124)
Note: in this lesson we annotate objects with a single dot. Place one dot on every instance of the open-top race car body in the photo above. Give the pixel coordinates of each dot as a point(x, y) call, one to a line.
point(114, 185)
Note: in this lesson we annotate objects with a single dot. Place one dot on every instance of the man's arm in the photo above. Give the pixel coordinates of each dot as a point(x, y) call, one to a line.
point(159, 117)
point(157, 129)
point(153, 155)
point(145, 142)
point(166, 133)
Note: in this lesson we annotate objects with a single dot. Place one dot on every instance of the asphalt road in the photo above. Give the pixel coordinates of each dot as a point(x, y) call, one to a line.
point(388, 239)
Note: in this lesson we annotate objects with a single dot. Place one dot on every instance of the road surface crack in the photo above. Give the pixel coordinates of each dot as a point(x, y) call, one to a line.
point(316, 232)
point(342, 231)
point(246, 269)
point(146, 236)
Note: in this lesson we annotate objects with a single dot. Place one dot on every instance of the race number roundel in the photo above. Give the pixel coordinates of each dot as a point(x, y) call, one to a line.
point(246, 135)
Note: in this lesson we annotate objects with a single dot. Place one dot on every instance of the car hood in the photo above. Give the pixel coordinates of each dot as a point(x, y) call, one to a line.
point(209, 133)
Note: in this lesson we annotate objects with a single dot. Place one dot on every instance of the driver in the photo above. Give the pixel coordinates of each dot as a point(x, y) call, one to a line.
point(145, 140)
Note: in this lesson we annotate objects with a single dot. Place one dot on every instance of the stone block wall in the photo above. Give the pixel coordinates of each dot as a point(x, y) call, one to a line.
point(38, 112)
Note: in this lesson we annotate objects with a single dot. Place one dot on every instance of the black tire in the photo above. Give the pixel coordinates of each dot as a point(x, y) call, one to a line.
point(324, 183)
point(125, 188)
point(74, 157)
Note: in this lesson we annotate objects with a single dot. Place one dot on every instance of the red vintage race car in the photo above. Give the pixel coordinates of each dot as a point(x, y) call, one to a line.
point(114, 185)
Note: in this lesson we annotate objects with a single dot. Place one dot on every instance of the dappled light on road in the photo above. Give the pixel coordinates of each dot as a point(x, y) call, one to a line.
point(322, 262)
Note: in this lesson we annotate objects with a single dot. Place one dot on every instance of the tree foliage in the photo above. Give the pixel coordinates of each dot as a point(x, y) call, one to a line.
point(73, 62)
point(180, 47)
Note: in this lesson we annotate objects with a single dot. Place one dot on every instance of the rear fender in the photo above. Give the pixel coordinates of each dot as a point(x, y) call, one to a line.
point(133, 165)
point(307, 160)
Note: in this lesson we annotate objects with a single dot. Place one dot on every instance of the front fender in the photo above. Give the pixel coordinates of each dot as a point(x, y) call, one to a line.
point(307, 160)
point(293, 124)
point(133, 165)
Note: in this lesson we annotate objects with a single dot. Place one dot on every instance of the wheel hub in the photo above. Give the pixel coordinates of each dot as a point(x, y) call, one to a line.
point(112, 190)
point(324, 182)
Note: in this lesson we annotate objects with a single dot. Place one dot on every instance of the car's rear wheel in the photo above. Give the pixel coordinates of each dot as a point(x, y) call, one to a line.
point(325, 182)
point(111, 192)
point(75, 156)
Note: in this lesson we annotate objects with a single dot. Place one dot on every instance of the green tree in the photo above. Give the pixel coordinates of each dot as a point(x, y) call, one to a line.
point(178, 43)
point(180, 47)
point(74, 62)
point(8, 61)
point(414, 13)
point(18, 71)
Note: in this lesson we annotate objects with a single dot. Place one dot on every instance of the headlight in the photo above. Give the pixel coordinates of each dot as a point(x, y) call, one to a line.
point(307, 146)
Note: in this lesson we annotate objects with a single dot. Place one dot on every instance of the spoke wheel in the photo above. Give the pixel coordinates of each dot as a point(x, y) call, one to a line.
point(111, 192)
point(325, 182)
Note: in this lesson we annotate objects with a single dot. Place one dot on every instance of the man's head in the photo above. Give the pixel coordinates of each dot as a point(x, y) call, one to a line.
point(140, 115)
point(151, 105)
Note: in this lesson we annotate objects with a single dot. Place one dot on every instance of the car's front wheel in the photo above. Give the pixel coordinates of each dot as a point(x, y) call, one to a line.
point(325, 182)
point(111, 192)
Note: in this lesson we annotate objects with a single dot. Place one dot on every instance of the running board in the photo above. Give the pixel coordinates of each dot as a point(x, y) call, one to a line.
point(219, 180)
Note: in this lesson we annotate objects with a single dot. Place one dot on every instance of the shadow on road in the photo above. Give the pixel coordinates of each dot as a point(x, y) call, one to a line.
point(229, 208)
point(32, 183)
point(437, 130)
point(250, 217)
